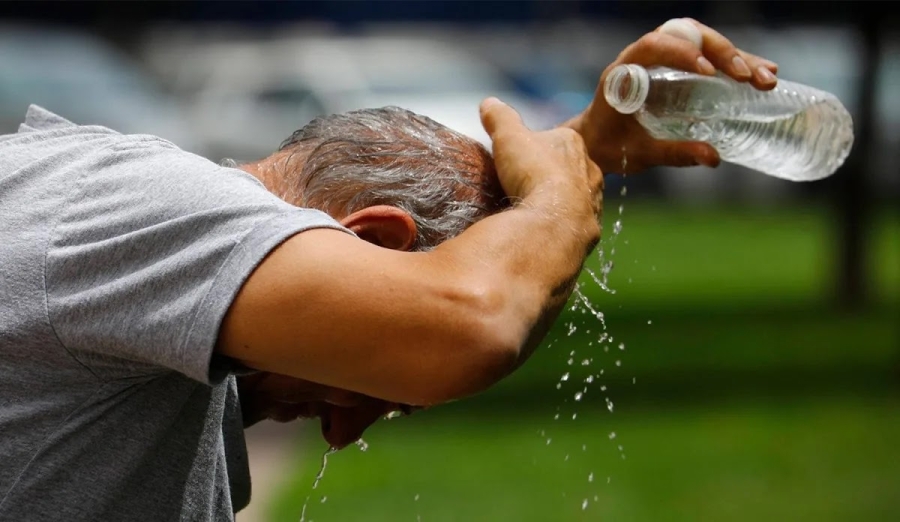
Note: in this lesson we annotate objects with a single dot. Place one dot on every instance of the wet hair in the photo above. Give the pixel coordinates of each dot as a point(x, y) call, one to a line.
point(390, 156)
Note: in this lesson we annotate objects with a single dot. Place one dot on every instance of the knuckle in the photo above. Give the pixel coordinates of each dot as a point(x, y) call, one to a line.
point(650, 41)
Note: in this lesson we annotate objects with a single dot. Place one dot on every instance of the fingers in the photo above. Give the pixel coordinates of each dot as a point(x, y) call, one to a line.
point(497, 116)
point(740, 65)
point(344, 426)
point(685, 154)
point(764, 71)
point(715, 52)
point(659, 48)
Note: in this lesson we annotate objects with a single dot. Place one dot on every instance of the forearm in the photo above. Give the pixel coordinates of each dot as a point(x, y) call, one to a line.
point(532, 254)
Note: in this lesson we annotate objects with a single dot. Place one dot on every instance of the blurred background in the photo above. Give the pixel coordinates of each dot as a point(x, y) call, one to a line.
point(752, 365)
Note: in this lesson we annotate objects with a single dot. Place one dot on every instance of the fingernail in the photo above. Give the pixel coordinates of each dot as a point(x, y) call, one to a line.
point(705, 66)
point(765, 74)
point(740, 66)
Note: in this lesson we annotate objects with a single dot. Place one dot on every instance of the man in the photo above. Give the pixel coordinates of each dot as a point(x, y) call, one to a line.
point(139, 281)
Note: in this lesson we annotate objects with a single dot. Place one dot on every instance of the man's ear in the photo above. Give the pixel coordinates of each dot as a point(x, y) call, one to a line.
point(383, 225)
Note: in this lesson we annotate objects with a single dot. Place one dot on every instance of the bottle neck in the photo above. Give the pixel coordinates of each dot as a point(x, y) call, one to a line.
point(626, 88)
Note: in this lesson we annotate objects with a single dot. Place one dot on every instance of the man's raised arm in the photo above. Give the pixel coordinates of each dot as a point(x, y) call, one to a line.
point(427, 327)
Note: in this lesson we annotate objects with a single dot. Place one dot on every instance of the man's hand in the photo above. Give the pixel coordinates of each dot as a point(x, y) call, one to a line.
point(683, 44)
point(345, 415)
point(555, 160)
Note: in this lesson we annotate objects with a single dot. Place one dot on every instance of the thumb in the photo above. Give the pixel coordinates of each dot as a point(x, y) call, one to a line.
point(686, 154)
point(496, 116)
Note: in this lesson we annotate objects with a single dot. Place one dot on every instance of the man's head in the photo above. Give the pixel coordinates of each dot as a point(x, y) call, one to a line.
point(344, 164)
point(396, 179)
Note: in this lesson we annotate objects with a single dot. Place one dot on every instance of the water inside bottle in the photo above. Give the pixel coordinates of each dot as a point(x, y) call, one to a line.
point(793, 132)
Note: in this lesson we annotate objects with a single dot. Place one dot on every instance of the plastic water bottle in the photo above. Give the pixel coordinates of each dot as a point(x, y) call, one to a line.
point(793, 132)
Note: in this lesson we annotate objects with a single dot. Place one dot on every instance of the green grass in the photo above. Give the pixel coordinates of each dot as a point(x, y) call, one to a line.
point(750, 396)
point(675, 258)
point(813, 460)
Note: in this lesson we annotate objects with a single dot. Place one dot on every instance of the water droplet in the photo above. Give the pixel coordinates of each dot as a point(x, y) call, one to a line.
point(650, 322)
point(556, 417)
point(584, 447)
point(558, 385)
point(543, 433)
point(618, 362)
point(608, 480)
point(617, 227)
point(574, 416)
point(566, 459)
point(612, 435)
point(591, 477)
point(596, 498)
point(621, 448)
point(609, 405)
point(586, 362)
point(603, 387)
point(565, 377)
point(392, 415)
point(362, 445)
point(634, 380)
point(621, 209)
point(584, 504)
point(548, 441)
point(589, 379)
point(606, 348)
point(578, 396)
point(624, 191)
point(570, 361)
point(621, 346)
point(416, 498)
point(324, 499)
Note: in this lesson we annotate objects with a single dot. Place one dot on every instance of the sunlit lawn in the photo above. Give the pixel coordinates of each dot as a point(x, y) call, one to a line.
point(739, 396)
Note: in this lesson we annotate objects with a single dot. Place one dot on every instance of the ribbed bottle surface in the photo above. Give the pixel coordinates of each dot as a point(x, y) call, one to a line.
point(793, 132)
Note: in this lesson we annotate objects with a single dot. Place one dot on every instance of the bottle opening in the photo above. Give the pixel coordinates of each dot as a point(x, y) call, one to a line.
point(626, 88)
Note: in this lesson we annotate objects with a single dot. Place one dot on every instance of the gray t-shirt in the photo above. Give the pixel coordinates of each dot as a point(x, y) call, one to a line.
point(119, 256)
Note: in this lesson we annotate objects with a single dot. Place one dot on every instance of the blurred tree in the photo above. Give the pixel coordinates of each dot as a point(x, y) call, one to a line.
point(852, 206)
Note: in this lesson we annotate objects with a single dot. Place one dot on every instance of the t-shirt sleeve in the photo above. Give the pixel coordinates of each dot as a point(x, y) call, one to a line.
point(149, 252)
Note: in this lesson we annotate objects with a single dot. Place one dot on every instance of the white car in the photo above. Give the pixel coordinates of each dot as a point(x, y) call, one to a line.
point(85, 80)
point(245, 97)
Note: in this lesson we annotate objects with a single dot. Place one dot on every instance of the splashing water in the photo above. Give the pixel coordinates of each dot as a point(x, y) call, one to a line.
point(584, 313)
point(362, 445)
point(319, 476)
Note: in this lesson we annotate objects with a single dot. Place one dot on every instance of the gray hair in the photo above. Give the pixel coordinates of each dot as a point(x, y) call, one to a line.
point(390, 156)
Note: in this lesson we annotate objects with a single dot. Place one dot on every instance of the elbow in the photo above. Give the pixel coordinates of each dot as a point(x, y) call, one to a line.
point(483, 347)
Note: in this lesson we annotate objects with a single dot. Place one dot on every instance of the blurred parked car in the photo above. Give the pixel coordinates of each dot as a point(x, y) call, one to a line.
point(85, 80)
point(245, 97)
